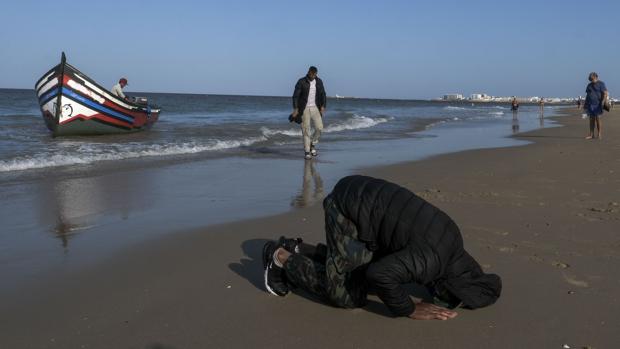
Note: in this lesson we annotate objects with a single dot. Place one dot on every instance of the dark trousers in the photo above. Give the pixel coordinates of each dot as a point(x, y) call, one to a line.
point(334, 272)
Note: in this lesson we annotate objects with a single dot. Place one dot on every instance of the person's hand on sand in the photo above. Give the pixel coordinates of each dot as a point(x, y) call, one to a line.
point(428, 311)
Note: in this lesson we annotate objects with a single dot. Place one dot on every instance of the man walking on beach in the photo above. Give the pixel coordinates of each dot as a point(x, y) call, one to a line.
point(310, 99)
point(596, 95)
point(381, 236)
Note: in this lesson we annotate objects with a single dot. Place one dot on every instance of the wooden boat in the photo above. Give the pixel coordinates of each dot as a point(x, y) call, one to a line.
point(73, 104)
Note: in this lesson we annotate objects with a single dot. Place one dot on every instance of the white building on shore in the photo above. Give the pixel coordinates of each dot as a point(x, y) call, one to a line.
point(453, 97)
point(483, 97)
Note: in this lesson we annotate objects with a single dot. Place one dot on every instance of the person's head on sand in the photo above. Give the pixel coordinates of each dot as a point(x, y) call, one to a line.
point(593, 77)
point(312, 72)
point(122, 82)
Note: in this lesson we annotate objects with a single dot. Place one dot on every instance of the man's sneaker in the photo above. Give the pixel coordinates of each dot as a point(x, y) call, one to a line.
point(313, 151)
point(307, 155)
point(268, 250)
point(275, 280)
point(291, 245)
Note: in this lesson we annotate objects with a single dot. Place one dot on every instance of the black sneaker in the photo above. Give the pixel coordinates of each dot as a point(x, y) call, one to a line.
point(275, 282)
point(291, 245)
point(313, 151)
point(268, 249)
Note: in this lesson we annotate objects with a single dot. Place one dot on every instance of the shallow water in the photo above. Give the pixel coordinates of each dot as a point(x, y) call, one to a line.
point(210, 125)
point(69, 202)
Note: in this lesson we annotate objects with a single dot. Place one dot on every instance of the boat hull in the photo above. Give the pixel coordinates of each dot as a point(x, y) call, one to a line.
point(87, 108)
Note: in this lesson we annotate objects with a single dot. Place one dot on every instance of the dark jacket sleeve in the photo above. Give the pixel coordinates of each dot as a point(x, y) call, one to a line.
point(386, 276)
point(323, 96)
point(296, 94)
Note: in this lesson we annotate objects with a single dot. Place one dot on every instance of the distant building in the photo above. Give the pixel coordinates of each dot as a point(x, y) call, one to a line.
point(453, 97)
point(480, 97)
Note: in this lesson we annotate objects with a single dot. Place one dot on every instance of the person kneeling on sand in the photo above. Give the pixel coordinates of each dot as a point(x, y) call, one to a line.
point(380, 236)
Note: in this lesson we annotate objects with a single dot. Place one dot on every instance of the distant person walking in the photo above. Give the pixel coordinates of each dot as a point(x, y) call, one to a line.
point(310, 100)
point(514, 106)
point(541, 104)
point(596, 95)
point(117, 89)
point(579, 103)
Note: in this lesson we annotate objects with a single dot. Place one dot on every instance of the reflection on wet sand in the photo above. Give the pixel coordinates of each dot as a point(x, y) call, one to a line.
point(309, 194)
point(542, 118)
point(72, 205)
point(515, 122)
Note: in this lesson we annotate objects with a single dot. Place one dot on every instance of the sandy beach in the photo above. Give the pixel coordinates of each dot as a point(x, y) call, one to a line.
point(544, 216)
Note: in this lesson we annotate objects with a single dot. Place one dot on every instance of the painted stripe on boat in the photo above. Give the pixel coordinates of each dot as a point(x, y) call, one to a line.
point(78, 98)
point(43, 79)
point(104, 93)
point(48, 86)
point(46, 97)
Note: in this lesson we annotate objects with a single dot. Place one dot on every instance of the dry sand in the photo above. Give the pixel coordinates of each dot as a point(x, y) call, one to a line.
point(544, 216)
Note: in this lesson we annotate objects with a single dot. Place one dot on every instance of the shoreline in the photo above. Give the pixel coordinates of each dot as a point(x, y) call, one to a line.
point(80, 216)
point(520, 209)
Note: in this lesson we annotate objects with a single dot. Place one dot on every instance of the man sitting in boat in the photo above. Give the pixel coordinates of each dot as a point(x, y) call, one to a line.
point(117, 89)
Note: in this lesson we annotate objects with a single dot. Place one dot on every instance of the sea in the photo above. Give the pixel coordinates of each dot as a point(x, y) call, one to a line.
point(68, 202)
point(200, 126)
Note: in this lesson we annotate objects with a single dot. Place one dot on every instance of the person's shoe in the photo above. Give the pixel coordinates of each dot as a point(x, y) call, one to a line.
point(291, 245)
point(307, 155)
point(275, 280)
point(313, 151)
point(268, 250)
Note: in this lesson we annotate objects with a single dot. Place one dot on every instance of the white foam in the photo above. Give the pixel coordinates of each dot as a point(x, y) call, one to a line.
point(454, 108)
point(87, 154)
point(497, 113)
point(267, 132)
point(356, 122)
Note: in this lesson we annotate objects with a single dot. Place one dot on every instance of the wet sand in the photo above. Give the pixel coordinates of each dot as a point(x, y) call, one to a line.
point(544, 216)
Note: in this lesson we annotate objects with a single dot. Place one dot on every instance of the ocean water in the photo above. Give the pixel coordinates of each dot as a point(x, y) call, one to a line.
point(66, 203)
point(199, 126)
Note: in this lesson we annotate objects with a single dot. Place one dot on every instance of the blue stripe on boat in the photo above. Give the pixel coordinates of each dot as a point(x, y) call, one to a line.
point(48, 95)
point(98, 107)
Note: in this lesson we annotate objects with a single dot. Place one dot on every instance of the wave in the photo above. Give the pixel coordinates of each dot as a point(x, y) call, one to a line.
point(454, 108)
point(87, 154)
point(496, 113)
point(74, 153)
point(267, 132)
point(356, 122)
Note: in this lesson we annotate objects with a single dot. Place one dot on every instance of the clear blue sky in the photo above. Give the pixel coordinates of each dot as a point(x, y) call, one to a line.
point(394, 49)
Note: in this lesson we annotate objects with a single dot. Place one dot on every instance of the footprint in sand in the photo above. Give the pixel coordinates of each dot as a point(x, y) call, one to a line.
point(571, 279)
point(536, 259)
point(560, 265)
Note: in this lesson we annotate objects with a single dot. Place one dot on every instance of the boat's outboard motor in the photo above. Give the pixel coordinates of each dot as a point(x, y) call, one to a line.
point(140, 100)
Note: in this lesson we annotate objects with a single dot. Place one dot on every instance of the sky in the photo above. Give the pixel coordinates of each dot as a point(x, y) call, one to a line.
point(381, 49)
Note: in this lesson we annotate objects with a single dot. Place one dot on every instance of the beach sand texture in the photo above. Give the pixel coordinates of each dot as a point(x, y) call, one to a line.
point(545, 217)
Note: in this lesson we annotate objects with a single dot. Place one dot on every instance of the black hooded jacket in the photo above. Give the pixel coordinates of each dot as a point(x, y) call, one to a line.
point(302, 89)
point(412, 241)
